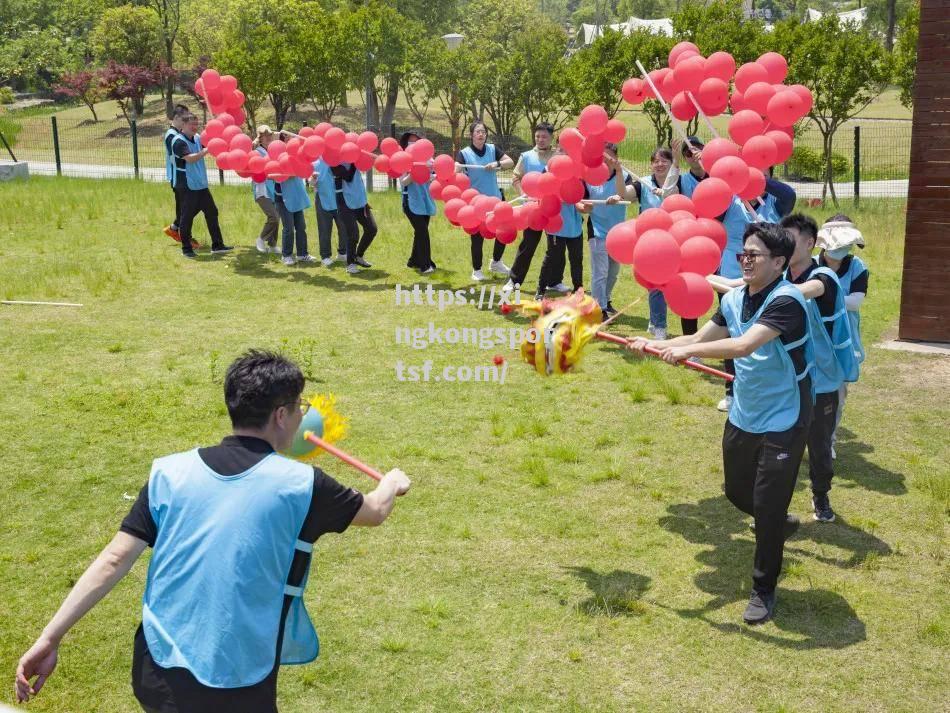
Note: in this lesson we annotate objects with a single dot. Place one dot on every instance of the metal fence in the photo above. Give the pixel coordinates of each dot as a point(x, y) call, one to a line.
point(871, 158)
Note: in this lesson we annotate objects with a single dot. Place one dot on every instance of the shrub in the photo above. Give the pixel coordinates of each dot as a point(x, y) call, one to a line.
point(808, 163)
point(6, 95)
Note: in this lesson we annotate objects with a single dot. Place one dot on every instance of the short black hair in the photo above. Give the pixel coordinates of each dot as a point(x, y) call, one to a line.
point(803, 224)
point(256, 384)
point(180, 111)
point(662, 151)
point(475, 125)
point(774, 237)
point(690, 143)
point(545, 126)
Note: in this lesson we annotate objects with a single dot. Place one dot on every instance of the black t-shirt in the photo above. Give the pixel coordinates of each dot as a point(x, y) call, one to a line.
point(178, 149)
point(826, 302)
point(786, 316)
point(858, 284)
point(460, 157)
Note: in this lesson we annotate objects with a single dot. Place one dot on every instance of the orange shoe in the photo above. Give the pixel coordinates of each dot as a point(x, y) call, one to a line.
point(194, 244)
point(173, 234)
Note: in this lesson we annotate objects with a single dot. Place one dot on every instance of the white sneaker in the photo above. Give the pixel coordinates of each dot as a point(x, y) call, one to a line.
point(834, 454)
point(289, 260)
point(659, 333)
point(499, 267)
point(428, 271)
point(341, 257)
point(725, 404)
point(327, 261)
point(353, 269)
point(560, 287)
point(261, 246)
point(307, 259)
point(509, 286)
point(275, 249)
point(478, 276)
point(650, 328)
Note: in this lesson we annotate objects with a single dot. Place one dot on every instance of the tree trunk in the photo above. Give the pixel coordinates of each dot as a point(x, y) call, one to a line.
point(392, 94)
point(92, 108)
point(169, 80)
point(829, 170)
point(889, 37)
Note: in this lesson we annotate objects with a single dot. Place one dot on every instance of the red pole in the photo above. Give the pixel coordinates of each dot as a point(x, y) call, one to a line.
point(345, 457)
point(656, 352)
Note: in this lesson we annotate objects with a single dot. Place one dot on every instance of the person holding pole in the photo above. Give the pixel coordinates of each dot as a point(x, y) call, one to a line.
point(328, 213)
point(355, 212)
point(418, 207)
point(173, 165)
point(764, 327)
point(264, 193)
point(192, 184)
point(481, 160)
point(232, 529)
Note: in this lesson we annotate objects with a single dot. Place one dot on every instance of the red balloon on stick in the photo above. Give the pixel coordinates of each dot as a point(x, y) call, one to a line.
point(656, 256)
point(700, 254)
point(734, 171)
point(721, 66)
point(712, 197)
point(689, 295)
point(744, 125)
point(621, 240)
point(715, 150)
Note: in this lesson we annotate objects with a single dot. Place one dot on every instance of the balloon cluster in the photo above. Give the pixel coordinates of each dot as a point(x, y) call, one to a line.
point(672, 248)
point(763, 110)
point(562, 182)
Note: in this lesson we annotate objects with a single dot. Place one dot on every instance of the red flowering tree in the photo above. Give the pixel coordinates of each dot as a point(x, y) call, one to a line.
point(83, 86)
point(128, 85)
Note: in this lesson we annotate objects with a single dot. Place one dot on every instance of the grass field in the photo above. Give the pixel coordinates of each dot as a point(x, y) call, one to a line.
point(566, 545)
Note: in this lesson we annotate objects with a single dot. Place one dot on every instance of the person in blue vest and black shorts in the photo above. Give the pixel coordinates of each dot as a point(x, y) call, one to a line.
point(418, 206)
point(836, 239)
point(535, 160)
point(604, 216)
point(355, 212)
point(264, 197)
point(325, 203)
point(192, 185)
point(483, 160)
point(764, 327)
point(232, 529)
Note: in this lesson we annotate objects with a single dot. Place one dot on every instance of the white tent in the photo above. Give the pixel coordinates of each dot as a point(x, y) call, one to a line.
point(663, 26)
point(856, 18)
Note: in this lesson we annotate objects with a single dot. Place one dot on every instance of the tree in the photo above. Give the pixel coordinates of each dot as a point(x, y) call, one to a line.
point(720, 26)
point(327, 69)
point(82, 85)
point(128, 85)
point(451, 85)
point(418, 74)
point(598, 71)
point(541, 69)
point(845, 68)
point(169, 19)
point(36, 58)
point(905, 54)
point(128, 35)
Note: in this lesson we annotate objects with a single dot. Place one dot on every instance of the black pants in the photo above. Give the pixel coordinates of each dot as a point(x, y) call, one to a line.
point(177, 221)
point(176, 690)
point(820, 464)
point(527, 246)
point(477, 243)
point(421, 255)
point(760, 474)
point(192, 203)
point(355, 245)
point(553, 263)
point(325, 221)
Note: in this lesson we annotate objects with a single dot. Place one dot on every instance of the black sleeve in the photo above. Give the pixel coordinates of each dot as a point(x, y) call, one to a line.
point(139, 522)
point(638, 187)
point(786, 316)
point(586, 191)
point(332, 508)
point(629, 182)
point(784, 195)
point(338, 171)
point(719, 318)
point(826, 303)
point(459, 158)
point(181, 149)
point(860, 283)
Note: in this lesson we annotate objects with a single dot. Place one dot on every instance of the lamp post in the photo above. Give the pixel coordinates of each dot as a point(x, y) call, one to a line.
point(453, 40)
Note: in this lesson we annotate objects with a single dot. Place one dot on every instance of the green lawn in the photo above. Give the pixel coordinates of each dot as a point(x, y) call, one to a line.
point(566, 545)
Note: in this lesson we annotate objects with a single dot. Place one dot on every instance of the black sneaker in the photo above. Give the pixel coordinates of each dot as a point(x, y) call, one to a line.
point(221, 249)
point(361, 261)
point(760, 608)
point(790, 528)
point(190, 254)
point(609, 309)
point(823, 511)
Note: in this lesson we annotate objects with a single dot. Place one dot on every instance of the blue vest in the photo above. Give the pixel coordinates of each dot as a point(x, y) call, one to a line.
point(169, 156)
point(648, 199)
point(834, 355)
point(573, 226)
point(485, 182)
point(326, 189)
point(354, 192)
point(219, 569)
point(767, 211)
point(418, 199)
point(532, 163)
point(268, 183)
point(602, 216)
point(765, 391)
point(294, 194)
point(856, 267)
point(196, 174)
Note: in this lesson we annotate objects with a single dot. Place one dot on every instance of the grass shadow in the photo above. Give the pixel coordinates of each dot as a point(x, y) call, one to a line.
point(616, 593)
point(852, 466)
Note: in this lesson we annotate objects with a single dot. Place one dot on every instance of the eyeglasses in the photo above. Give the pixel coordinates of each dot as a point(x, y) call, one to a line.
point(750, 257)
point(303, 405)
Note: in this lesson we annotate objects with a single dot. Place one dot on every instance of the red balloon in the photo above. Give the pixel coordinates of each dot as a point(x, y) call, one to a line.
point(213, 129)
point(713, 96)
point(806, 96)
point(200, 89)
point(444, 166)
point(469, 194)
point(537, 219)
point(775, 65)
point(615, 132)
point(504, 213)
point(756, 185)
point(758, 95)
point(365, 161)
point(737, 102)
point(678, 49)
point(734, 171)
point(783, 145)
point(452, 208)
point(449, 192)
point(750, 73)
point(571, 140)
point(571, 191)
point(690, 72)
point(313, 147)
point(226, 119)
point(550, 205)
point(721, 66)
point(713, 229)
point(506, 236)
point(700, 255)
point(467, 217)
point(435, 190)
point(685, 229)
point(367, 141)
point(561, 166)
point(744, 125)
point(210, 79)
point(462, 181)
point(306, 132)
point(653, 219)
point(688, 295)
point(656, 256)
point(785, 108)
point(381, 163)
point(596, 175)
point(256, 164)
point(242, 142)
point(294, 146)
point(233, 100)
point(239, 116)
point(759, 152)
point(421, 150)
point(656, 77)
point(228, 83)
point(678, 215)
point(682, 108)
point(230, 132)
point(634, 91)
point(217, 146)
point(238, 160)
point(621, 240)
point(593, 119)
point(322, 128)
point(715, 150)
point(683, 56)
point(400, 162)
point(712, 197)
point(678, 201)
point(669, 87)
point(223, 159)
point(349, 152)
point(335, 138)
point(419, 174)
point(548, 184)
point(531, 184)
point(593, 152)
point(276, 148)
point(554, 224)
point(644, 283)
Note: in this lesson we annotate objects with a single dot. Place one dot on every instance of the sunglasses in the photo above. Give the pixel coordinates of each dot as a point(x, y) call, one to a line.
point(750, 257)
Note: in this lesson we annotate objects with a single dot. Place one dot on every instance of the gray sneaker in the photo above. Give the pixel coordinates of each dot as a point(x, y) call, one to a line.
point(823, 511)
point(760, 608)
